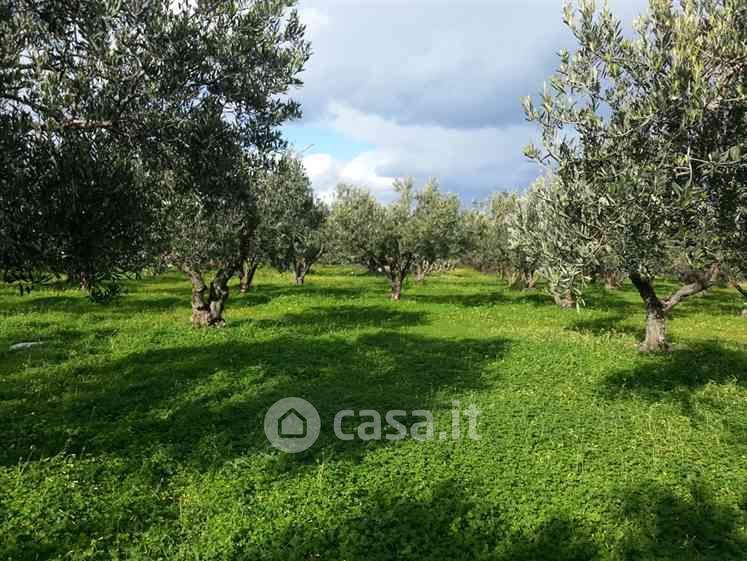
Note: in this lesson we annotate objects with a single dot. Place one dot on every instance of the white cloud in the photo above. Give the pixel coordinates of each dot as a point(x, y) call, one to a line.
point(470, 161)
point(326, 172)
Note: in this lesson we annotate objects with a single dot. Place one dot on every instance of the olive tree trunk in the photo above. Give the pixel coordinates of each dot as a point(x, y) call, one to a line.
point(530, 280)
point(304, 262)
point(565, 301)
point(208, 303)
point(396, 273)
point(420, 272)
point(299, 272)
point(523, 280)
point(743, 292)
point(612, 280)
point(657, 310)
point(396, 287)
point(247, 275)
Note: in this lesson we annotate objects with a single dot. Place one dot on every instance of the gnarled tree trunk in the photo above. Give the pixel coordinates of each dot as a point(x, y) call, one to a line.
point(420, 272)
point(612, 280)
point(530, 280)
point(208, 302)
point(523, 280)
point(565, 301)
point(303, 264)
point(658, 310)
point(656, 317)
point(299, 272)
point(396, 284)
point(84, 280)
point(396, 273)
point(656, 330)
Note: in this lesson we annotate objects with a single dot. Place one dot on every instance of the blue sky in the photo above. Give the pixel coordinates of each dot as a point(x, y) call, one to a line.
point(426, 88)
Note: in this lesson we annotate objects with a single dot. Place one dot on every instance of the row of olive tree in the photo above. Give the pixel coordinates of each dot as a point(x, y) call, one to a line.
point(136, 133)
point(289, 233)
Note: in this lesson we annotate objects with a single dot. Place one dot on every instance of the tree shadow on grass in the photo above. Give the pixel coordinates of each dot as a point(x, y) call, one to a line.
point(55, 345)
point(682, 369)
point(674, 377)
point(321, 320)
point(475, 300)
point(206, 405)
point(308, 290)
point(534, 297)
point(443, 522)
point(599, 298)
point(659, 524)
point(79, 304)
point(446, 523)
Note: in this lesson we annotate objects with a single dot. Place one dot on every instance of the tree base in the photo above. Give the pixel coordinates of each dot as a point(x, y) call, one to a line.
point(655, 347)
point(565, 302)
point(203, 318)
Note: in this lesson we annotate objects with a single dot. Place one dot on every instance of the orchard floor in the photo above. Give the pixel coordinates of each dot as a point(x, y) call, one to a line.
point(129, 435)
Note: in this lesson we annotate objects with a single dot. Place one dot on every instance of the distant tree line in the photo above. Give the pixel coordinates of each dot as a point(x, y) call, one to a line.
point(644, 143)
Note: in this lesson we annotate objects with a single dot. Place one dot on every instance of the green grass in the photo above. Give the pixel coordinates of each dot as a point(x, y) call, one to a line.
point(129, 435)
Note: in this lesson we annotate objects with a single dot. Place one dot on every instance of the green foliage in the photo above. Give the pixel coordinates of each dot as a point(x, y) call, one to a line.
point(486, 232)
point(554, 226)
point(658, 123)
point(494, 240)
point(114, 122)
point(438, 226)
point(129, 435)
point(418, 228)
point(289, 234)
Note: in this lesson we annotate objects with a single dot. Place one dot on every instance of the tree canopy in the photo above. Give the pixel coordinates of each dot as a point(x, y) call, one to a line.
point(120, 116)
point(655, 160)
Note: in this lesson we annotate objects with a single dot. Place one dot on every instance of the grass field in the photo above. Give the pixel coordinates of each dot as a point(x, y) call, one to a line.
point(129, 435)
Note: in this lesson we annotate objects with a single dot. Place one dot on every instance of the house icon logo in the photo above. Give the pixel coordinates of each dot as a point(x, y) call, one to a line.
point(292, 424)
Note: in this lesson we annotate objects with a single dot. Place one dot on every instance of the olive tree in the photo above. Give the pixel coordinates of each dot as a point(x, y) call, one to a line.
point(553, 228)
point(489, 245)
point(78, 117)
point(438, 229)
point(209, 219)
point(392, 238)
point(290, 220)
point(480, 251)
point(247, 57)
point(297, 221)
point(658, 127)
point(126, 115)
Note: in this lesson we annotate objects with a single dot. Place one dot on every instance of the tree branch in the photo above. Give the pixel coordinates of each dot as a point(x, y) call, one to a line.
point(704, 282)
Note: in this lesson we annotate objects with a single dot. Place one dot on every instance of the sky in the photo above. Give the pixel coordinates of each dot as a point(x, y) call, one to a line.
point(426, 88)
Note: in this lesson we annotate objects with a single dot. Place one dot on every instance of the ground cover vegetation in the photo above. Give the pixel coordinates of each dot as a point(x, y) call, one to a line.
point(145, 179)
